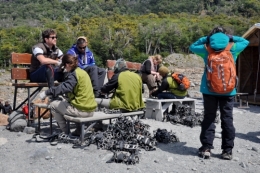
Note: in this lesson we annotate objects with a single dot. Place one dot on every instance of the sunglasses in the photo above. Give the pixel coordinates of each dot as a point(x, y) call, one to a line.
point(82, 48)
point(53, 37)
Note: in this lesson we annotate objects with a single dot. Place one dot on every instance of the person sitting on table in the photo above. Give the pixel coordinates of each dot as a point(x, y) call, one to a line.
point(169, 85)
point(87, 62)
point(150, 73)
point(77, 85)
point(127, 88)
point(46, 59)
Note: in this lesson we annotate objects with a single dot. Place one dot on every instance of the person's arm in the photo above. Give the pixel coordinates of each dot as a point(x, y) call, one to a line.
point(38, 53)
point(112, 84)
point(198, 47)
point(164, 86)
point(90, 58)
point(239, 44)
point(65, 87)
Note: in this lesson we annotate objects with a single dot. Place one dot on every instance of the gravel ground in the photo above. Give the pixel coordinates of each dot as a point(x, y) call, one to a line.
point(18, 153)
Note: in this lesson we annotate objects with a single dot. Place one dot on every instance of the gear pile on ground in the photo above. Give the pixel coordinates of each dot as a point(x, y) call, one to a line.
point(125, 137)
point(185, 115)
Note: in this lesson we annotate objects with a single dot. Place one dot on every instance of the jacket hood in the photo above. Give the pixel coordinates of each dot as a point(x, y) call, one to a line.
point(219, 41)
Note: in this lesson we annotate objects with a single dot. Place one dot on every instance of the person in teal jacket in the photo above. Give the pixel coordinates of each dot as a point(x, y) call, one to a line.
point(217, 40)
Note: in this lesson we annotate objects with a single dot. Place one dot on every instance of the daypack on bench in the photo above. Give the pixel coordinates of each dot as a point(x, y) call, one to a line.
point(221, 70)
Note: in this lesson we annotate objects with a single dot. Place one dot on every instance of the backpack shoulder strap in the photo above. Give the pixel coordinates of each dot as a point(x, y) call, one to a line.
point(208, 48)
point(229, 46)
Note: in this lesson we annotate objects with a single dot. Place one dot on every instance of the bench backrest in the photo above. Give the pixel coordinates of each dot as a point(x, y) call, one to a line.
point(20, 73)
point(132, 66)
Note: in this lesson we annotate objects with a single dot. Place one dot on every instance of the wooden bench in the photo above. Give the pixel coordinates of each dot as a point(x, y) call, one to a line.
point(21, 76)
point(132, 66)
point(155, 109)
point(96, 117)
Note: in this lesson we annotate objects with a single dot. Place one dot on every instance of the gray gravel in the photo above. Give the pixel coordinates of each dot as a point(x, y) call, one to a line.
point(19, 154)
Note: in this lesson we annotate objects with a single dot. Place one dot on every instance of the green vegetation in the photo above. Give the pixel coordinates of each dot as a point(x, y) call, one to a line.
point(132, 29)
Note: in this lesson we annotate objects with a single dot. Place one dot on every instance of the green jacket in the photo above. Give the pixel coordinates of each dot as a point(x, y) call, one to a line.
point(128, 94)
point(173, 85)
point(82, 96)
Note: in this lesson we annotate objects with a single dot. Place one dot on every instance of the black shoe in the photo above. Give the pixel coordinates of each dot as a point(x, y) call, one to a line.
point(227, 155)
point(204, 153)
point(76, 132)
point(99, 95)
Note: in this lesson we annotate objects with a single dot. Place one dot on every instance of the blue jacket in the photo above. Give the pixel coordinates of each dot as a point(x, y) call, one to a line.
point(83, 60)
point(218, 41)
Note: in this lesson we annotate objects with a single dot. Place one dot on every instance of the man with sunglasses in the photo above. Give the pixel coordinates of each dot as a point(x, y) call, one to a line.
point(46, 59)
point(86, 62)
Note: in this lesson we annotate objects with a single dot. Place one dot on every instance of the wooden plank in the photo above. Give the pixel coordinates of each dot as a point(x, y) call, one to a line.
point(110, 64)
point(110, 73)
point(32, 84)
point(20, 73)
point(21, 58)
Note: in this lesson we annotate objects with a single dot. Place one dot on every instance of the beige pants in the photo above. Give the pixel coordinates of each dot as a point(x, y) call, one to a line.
point(60, 108)
point(149, 79)
point(103, 102)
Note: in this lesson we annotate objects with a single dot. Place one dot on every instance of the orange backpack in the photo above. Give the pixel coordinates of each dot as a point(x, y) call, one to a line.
point(183, 81)
point(221, 70)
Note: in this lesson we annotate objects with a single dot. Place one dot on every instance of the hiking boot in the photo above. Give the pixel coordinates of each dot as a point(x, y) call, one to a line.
point(75, 133)
point(227, 155)
point(98, 126)
point(204, 153)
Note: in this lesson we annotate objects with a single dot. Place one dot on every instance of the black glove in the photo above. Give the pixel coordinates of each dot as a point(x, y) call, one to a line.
point(207, 42)
point(230, 38)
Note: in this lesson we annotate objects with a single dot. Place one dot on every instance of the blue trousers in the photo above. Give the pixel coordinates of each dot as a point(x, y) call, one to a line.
point(207, 135)
point(47, 73)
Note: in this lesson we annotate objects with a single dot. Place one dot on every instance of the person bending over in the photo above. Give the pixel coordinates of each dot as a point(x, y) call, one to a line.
point(169, 87)
point(149, 71)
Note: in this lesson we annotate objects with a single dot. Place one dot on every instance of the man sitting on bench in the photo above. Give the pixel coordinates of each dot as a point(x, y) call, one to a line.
point(46, 60)
point(169, 85)
point(87, 62)
point(77, 86)
point(128, 90)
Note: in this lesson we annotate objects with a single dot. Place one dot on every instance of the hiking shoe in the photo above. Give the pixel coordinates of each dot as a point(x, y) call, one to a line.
point(226, 155)
point(204, 153)
point(75, 133)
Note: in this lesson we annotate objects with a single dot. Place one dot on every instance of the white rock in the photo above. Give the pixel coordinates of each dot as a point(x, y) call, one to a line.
point(170, 159)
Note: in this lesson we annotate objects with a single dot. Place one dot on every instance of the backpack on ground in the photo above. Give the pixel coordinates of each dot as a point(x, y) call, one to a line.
point(16, 121)
point(183, 81)
point(221, 70)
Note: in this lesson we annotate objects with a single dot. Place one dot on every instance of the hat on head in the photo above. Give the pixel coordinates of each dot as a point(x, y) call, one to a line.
point(163, 71)
point(120, 63)
point(82, 37)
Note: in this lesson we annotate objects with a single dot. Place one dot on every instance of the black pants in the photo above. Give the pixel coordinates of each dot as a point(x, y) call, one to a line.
point(47, 73)
point(97, 76)
point(207, 135)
